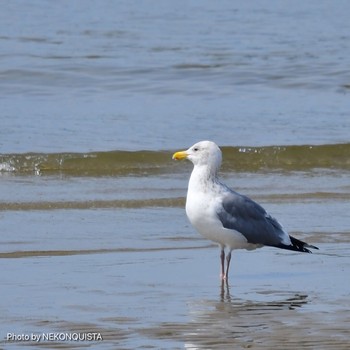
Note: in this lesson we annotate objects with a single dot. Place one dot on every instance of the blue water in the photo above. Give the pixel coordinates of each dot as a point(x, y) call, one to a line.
point(112, 251)
point(86, 76)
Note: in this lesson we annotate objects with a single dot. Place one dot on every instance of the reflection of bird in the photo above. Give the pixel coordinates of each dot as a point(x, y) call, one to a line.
point(224, 216)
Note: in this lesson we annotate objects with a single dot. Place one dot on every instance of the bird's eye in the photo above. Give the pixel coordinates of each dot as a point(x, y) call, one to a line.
point(196, 149)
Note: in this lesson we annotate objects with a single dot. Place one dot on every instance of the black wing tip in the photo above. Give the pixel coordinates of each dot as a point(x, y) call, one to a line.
point(312, 246)
point(299, 246)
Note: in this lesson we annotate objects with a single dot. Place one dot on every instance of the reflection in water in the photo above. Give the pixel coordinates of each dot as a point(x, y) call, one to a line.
point(294, 301)
point(225, 291)
point(236, 321)
point(232, 321)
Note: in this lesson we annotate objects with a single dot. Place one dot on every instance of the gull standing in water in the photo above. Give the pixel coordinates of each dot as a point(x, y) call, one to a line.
point(226, 217)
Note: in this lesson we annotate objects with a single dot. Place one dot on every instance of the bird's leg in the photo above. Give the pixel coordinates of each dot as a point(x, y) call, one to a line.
point(222, 258)
point(228, 260)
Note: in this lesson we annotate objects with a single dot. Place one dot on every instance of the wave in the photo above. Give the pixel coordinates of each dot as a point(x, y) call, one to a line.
point(145, 163)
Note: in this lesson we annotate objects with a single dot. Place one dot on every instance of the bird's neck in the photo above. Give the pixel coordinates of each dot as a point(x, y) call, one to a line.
point(201, 177)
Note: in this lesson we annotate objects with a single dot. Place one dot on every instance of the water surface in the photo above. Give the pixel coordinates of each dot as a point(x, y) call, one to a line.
point(95, 98)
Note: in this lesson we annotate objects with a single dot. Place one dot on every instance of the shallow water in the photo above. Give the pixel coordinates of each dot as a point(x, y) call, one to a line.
point(133, 270)
point(172, 299)
point(94, 238)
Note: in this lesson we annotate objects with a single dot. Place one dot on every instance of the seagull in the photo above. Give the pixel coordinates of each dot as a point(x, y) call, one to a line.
point(228, 218)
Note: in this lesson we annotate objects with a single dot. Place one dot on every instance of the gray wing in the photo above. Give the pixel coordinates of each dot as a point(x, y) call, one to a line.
point(242, 214)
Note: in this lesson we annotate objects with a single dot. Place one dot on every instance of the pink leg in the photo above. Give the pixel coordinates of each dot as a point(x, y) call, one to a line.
point(228, 260)
point(222, 258)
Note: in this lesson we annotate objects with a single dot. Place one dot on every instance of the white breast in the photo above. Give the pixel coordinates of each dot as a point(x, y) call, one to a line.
point(204, 197)
point(201, 211)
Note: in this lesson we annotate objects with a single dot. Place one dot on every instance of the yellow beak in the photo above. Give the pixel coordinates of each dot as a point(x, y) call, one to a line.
point(180, 155)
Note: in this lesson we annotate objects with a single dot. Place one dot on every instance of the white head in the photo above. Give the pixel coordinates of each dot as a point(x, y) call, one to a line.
point(204, 153)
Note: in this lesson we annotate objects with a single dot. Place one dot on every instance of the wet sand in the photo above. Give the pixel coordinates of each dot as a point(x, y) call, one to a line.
point(157, 286)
